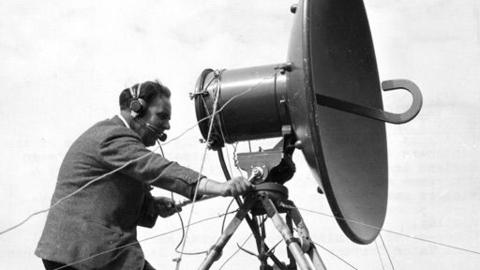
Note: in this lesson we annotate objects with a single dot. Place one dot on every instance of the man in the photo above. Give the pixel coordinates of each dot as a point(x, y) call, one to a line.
point(104, 215)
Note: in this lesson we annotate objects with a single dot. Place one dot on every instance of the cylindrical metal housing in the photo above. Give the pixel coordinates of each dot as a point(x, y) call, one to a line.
point(251, 103)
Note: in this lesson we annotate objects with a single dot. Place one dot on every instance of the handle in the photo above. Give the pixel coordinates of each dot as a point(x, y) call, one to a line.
point(375, 113)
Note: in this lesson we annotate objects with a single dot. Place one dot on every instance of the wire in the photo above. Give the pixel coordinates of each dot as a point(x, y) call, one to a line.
point(183, 226)
point(181, 241)
point(159, 143)
point(230, 174)
point(394, 232)
point(75, 192)
point(379, 256)
point(386, 250)
point(143, 240)
point(180, 217)
point(228, 158)
point(225, 217)
point(192, 207)
point(221, 108)
point(337, 256)
point(183, 237)
point(239, 248)
point(235, 158)
point(125, 165)
point(236, 252)
point(226, 150)
point(134, 160)
point(214, 112)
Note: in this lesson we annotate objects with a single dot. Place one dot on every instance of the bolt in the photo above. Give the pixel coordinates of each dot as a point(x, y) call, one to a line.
point(293, 8)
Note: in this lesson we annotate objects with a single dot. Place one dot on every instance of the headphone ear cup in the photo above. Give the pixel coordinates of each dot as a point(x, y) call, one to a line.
point(143, 104)
point(136, 105)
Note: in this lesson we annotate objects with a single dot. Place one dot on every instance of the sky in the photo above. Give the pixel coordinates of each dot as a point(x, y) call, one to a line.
point(64, 63)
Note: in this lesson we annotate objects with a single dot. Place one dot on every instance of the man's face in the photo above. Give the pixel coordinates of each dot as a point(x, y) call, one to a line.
point(157, 117)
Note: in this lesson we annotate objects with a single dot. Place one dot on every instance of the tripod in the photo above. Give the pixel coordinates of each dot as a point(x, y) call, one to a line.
point(271, 199)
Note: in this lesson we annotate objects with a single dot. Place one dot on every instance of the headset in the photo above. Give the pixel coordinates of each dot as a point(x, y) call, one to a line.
point(137, 106)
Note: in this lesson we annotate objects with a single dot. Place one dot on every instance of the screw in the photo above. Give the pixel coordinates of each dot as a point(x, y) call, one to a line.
point(293, 8)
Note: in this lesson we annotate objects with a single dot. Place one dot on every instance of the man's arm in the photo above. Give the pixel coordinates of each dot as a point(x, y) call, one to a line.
point(155, 206)
point(145, 166)
point(153, 169)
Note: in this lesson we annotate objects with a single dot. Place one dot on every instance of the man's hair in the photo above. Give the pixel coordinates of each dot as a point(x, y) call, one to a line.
point(148, 92)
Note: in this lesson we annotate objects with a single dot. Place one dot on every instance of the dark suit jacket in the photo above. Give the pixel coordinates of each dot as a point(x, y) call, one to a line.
point(105, 215)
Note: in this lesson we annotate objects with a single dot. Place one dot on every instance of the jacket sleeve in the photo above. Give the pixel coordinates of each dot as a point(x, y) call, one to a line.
point(148, 217)
point(146, 166)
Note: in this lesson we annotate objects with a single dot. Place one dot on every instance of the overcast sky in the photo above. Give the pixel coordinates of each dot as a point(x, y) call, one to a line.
point(63, 64)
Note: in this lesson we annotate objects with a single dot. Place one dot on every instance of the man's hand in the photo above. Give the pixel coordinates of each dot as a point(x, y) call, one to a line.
point(236, 186)
point(165, 207)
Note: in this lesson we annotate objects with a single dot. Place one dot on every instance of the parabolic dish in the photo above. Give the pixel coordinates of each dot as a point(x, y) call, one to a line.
point(332, 53)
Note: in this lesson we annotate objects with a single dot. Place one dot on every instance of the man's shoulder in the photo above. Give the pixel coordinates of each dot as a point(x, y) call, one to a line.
point(100, 134)
point(104, 131)
point(108, 128)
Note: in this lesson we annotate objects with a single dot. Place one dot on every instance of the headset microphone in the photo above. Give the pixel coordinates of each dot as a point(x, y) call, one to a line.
point(160, 135)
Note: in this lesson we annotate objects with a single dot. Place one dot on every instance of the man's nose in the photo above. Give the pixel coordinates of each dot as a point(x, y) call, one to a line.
point(166, 126)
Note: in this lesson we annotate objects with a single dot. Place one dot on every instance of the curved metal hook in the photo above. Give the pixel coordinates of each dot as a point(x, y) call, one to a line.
point(417, 100)
point(379, 114)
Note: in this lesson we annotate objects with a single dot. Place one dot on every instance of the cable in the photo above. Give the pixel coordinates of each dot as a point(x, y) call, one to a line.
point(228, 175)
point(183, 226)
point(241, 246)
point(159, 143)
point(394, 232)
point(235, 159)
point(228, 158)
point(214, 112)
point(181, 241)
point(221, 108)
point(75, 192)
point(225, 217)
point(235, 252)
point(126, 164)
point(379, 256)
point(180, 217)
point(337, 256)
point(143, 240)
point(134, 160)
point(183, 237)
point(192, 207)
point(386, 250)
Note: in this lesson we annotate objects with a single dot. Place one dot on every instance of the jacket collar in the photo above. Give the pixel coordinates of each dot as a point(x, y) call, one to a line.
point(118, 121)
point(123, 120)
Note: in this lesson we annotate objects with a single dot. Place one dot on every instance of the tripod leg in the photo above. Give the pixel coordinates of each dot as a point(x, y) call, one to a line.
point(292, 265)
point(215, 251)
point(286, 233)
point(316, 259)
point(307, 244)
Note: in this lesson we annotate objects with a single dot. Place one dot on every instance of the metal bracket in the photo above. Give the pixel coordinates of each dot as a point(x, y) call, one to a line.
point(379, 114)
point(284, 67)
point(200, 93)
